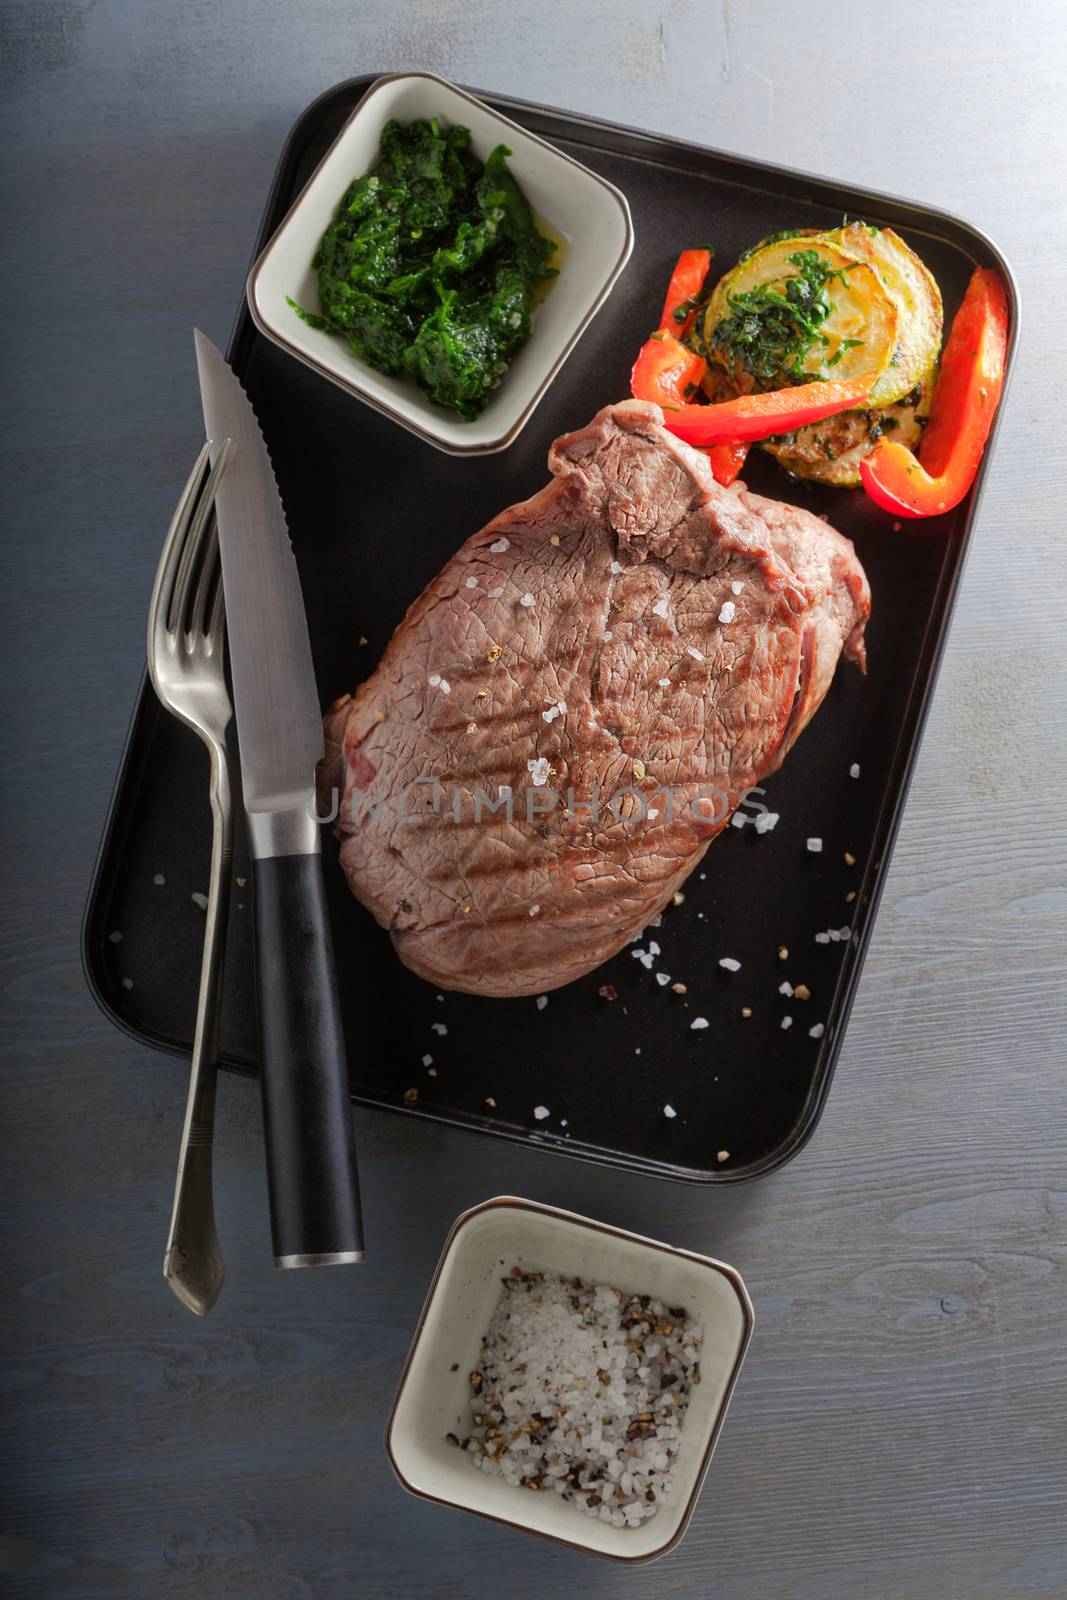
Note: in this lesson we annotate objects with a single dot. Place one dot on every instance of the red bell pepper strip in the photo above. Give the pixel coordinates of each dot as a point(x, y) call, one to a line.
point(961, 413)
point(758, 416)
point(726, 461)
point(687, 280)
point(665, 370)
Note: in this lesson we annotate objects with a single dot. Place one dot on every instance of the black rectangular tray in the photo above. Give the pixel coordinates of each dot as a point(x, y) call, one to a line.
point(747, 1092)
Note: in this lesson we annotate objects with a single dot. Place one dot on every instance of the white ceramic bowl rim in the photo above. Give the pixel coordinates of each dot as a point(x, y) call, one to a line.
point(413, 417)
point(536, 1207)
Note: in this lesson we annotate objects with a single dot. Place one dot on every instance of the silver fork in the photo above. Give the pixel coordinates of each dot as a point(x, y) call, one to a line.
point(186, 643)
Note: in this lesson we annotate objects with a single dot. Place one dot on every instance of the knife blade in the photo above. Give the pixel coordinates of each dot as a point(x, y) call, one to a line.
point(279, 723)
point(310, 1148)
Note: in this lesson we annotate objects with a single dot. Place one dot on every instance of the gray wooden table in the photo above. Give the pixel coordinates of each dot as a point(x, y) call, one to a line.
point(899, 1431)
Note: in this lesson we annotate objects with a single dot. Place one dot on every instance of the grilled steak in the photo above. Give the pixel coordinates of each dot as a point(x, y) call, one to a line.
point(611, 664)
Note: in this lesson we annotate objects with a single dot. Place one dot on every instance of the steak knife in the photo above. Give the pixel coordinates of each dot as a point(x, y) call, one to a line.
point(307, 1116)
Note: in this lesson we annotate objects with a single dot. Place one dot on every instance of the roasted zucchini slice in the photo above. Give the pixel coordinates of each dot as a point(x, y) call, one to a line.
point(851, 302)
point(799, 308)
point(918, 300)
point(831, 451)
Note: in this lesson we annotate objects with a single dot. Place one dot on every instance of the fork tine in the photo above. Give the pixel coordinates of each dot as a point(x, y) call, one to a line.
point(209, 567)
point(173, 546)
point(203, 520)
point(216, 622)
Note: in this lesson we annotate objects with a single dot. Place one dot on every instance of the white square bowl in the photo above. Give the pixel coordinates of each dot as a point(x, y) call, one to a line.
point(434, 1391)
point(590, 216)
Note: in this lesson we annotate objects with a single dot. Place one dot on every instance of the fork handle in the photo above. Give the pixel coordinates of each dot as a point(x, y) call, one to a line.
point(192, 1263)
point(307, 1115)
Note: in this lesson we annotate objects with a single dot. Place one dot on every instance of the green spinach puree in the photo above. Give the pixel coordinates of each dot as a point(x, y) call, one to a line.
point(431, 263)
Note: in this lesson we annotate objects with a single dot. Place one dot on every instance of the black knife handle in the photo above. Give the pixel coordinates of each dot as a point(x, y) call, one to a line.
point(307, 1116)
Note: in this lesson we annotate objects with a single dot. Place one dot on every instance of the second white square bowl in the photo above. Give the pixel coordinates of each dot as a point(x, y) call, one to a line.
point(434, 1392)
point(587, 213)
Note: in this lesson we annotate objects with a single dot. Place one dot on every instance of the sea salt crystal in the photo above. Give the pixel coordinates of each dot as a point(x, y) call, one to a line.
point(727, 612)
point(427, 1061)
point(766, 821)
point(606, 635)
point(668, 1111)
point(816, 1032)
point(730, 964)
point(115, 938)
point(541, 1112)
point(615, 569)
point(471, 583)
point(663, 979)
point(738, 819)
point(787, 1022)
point(854, 770)
point(785, 988)
point(527, 600)
point(439, 1027)
point(815, 846)
point(664, 683)
point(698, 1023)
point(159, 880)
point(691, 650)
point(660, 608)
point(541, 1002)
point(500, 546)
point(199, 899)
point(494, 594)
point(534, 909)
point(822, 938)
point(737, 586)
point(538, 770)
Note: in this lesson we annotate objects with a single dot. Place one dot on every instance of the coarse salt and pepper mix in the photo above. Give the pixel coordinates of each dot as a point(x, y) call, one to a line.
point(581, 1391)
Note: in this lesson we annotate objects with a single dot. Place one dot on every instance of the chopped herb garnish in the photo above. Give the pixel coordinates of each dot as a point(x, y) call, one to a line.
point(772, 238)
point(772, 329)
point(846, 344)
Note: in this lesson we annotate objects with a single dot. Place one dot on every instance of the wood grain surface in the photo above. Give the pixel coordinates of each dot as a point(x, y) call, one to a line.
point(899, 1429)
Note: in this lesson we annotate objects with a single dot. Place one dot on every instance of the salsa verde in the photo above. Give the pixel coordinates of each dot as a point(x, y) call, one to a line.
point(431, 263)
